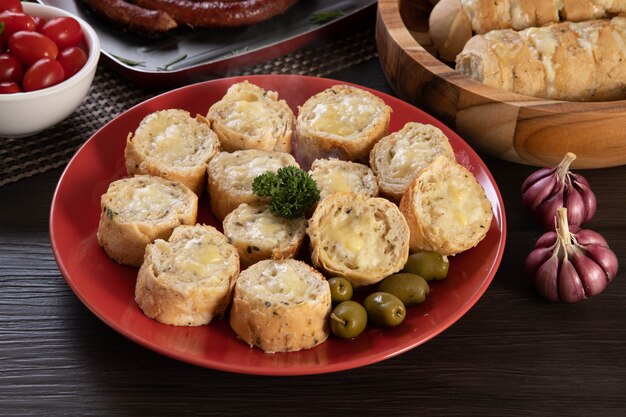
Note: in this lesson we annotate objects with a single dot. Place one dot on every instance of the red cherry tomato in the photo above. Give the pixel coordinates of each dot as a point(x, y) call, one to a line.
point(72, 59)
point(65, 31)
point(11, 68)
point(12, 5)
point(42, 74)
point(8, 87)
point(29, 47)
point(14, 22)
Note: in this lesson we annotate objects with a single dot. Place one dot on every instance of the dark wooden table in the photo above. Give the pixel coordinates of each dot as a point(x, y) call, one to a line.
point(512, 354)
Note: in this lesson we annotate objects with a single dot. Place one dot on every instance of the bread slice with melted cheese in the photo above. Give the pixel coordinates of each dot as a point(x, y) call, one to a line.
point(343, 122)
point(281, 306)
point(335, 176)
point(360, 238)
point(249, 117)
point(187, 280)
point(231, 176)
point(258, 234)
point(398, 158)
point(135, 211)
point(173, 145)
point(446, 208)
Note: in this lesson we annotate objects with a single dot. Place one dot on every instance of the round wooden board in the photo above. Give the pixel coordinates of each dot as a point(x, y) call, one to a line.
point(510, 126)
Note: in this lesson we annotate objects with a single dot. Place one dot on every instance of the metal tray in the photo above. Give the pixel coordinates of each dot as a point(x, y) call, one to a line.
point(189, 55)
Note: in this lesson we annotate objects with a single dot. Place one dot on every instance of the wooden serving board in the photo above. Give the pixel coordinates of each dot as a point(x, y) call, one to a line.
point(510, 126)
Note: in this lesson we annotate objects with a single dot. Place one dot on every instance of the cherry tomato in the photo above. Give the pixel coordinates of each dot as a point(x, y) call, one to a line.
point(12, 5)
point(9, 87)
point(72, 59)
point(11, 68)
point(42, 74)
point(29, 47)
point(65, 31)
point(14, 22)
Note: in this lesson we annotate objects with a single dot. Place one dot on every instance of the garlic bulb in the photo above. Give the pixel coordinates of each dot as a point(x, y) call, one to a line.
point(547, 189)
point(571, 264)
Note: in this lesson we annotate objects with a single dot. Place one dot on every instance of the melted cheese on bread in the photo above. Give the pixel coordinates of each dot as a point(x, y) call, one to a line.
point(187, 280)
point(258, 234)
point(336, 176)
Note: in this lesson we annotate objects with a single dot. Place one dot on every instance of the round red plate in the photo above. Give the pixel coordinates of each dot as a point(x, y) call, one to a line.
point(107, 288)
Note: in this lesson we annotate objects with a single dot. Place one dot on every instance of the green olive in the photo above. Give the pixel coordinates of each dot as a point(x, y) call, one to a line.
point(409, 288)
point(384, 309)
point(428, 265)
point(340, 289)
point(348, 320)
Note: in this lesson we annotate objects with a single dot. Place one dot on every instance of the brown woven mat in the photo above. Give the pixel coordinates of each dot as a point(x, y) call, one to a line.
point(110, 95)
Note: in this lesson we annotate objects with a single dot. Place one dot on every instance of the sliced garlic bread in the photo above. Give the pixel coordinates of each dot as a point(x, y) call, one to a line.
point(343, 122)
point(362, 239)
point(135, 211)
point(446, 208)
point(258, 234)
point(173, 145)
point(248, 117)
point(281, 306)
point(335, 176)
point(187, 280)
point(396, 159)
point(231, 176)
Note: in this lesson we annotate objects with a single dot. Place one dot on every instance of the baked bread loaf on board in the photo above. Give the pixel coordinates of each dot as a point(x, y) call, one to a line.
point(396, 159)
point(231, 176)
point(258, 234)
point(137, 210)
point(453, 22)
point(335, 176)
point(342, 122)
point(173, 145)
point(187, 280)
point(248, 117)
point(281, 306)
point(446, 208)
point(566, 61)
point(362, 239)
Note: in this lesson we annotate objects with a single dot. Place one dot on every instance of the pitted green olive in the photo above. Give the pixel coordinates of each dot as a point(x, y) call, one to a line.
point(340, 289)
point(384, 309)
point(428, 265)
point(409, 288)
point(348, 320)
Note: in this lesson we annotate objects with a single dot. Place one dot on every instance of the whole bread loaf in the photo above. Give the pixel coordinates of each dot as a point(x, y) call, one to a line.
point(581, 61)
point(453, 22)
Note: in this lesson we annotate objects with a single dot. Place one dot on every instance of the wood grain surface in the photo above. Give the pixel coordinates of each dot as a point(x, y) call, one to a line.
point(512, 354)
point(498, 123)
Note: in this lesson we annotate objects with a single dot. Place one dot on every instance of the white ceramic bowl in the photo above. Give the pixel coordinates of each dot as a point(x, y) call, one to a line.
point(24, 114)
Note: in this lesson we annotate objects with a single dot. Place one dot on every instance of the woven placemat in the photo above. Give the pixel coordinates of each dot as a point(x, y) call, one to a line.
point(111, 95)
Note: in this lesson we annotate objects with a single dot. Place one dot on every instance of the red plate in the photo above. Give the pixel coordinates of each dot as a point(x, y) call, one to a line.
point(107, 288)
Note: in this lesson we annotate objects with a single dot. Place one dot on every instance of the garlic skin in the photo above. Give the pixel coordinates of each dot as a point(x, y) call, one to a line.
point(548, 189)
point(571, 264)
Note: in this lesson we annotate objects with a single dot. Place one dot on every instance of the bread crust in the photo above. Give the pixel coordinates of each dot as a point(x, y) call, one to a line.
point(277, 323)
point(362, 239)
point(258, 234)
point(446, 209)
point(249, 117)
point(173, 145)
point(397, 158)
point(329, 124)
point(334, 175)
point(168, 293)
point(231, 175)
point(124, 230)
